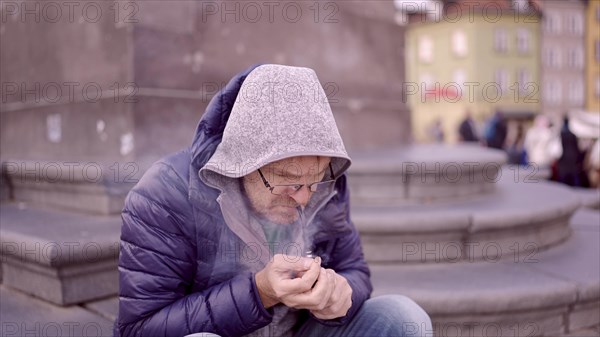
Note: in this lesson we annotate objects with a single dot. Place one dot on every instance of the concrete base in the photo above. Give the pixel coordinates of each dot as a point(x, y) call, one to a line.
point(22, 315)
point(515, 222)
point(60, 257)
point(552, 293)
point(423, 173)
point(83, 187)
point(64, 285)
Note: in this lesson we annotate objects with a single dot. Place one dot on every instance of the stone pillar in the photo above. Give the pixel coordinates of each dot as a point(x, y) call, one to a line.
point(120, 84)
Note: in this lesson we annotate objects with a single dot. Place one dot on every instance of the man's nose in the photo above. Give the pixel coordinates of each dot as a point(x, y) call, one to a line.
point(302, 196)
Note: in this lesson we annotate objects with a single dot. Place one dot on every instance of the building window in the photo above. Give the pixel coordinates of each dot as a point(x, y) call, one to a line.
point(459, 43)
point(425, 49)
point(500, 40)
point(524, 79)
point(552, 92)
point(556, 58)
point(460, 78)
point(552, 57)
point(575, 58)
point(576, 92)
point(427, 81)
point(523, 40)
point(501, 78)
point(575, 24)
point(552, 23)
point(547, 55)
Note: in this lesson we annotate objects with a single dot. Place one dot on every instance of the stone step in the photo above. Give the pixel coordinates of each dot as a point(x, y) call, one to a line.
point(589, 197)
point(420, 173)
point(23, 315)
point(88, 187)
point(61, 257)
point(518, 218)
point(549, 293)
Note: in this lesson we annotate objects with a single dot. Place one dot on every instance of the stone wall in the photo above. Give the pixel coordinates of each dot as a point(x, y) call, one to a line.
point(123, 81)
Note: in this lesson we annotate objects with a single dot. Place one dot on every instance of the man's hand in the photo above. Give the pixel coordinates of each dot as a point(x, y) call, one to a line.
point(340, 300)
point(291, 280)
point(279, 281)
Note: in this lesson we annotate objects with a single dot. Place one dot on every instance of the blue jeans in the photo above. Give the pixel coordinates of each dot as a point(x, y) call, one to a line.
point(383, 316)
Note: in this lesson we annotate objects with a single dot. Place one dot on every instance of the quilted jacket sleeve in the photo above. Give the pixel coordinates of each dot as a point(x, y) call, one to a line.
point(157, 265)
point(347, 258)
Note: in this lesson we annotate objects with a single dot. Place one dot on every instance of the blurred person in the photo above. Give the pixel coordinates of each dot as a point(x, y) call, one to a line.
point(570, 163)
point(541, 144)
point(436, 131)
point(517, 155)
point(248, 230)
point(593, 161)
point(495, 134)
point(467, 130)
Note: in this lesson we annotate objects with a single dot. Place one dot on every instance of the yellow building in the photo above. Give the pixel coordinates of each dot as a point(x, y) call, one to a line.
point(593, 56)
point(471, 60)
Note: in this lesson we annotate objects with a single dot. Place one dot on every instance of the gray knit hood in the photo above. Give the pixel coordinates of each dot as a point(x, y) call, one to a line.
point(280, 112)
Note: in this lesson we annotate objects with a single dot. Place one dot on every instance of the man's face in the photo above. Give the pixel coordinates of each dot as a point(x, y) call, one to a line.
point(282, 209)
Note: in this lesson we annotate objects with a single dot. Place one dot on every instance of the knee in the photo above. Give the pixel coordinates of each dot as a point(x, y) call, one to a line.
point(400, 312)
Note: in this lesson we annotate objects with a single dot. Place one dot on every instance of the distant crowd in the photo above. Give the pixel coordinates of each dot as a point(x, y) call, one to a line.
point(552, 148)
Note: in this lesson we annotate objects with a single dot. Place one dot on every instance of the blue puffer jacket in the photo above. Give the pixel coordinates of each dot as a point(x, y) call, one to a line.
point(171, 220)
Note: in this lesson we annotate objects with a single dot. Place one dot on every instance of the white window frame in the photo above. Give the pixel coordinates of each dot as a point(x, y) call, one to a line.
point(524, 79)
point(459, 76)
point(556, 58)
point(552, 23)
point(425, 49)
point(501, 78)
point(575, 23)
point(523, 40)
point(500, 40)
point(460, 45)
point(553, 92)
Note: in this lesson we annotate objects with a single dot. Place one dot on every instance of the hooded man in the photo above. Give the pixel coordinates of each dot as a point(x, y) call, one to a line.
point(247, 231)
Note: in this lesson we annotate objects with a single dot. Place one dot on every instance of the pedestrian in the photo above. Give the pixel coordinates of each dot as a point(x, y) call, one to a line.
point(570, 163)
point(436, 131)
point(467, 130)
point(496, 130)
point(541, 143)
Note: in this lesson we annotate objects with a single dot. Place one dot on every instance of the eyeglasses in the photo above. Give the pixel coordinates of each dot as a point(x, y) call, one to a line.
point(293, 188)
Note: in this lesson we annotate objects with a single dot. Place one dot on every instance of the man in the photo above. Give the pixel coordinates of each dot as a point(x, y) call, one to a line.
point(247, 231)
point(495, 135)
point(466, 130)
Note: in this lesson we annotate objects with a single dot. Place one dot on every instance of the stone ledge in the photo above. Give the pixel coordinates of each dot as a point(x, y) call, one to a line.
point(423, 172)
point(584, 316)
point(478, 288)
point(61, 257)
point(23, 315)
point(589, 197)
point(517, 219)
point(86, 187)
point(557, 290)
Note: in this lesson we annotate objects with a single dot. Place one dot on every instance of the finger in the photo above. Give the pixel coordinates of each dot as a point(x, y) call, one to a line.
point(302, 284)
point(319, 297)
point(292, 263)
